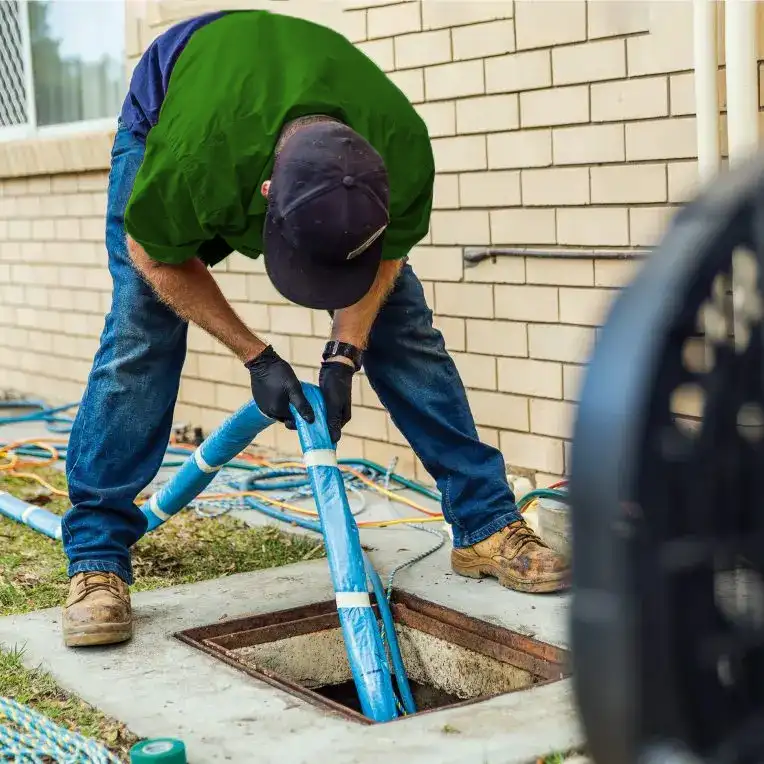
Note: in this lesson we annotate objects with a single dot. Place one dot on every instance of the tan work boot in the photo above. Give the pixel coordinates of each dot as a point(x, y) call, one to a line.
point(517, 557)
point(97, 611)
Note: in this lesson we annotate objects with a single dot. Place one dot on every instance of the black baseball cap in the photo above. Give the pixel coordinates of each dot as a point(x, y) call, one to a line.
point(327, 215)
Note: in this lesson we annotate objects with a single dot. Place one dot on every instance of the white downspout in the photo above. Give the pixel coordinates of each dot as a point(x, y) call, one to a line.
point(706, 60)
point(742, 79)
point(742, 106)
point(707, 120)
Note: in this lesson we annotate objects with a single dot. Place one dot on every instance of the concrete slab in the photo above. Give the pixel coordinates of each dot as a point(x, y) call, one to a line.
point(159, 686)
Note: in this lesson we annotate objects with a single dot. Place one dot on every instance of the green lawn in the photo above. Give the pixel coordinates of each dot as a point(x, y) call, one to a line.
point(185, 550)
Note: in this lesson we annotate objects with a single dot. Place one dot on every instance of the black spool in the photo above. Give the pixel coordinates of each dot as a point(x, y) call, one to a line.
point(668, 511)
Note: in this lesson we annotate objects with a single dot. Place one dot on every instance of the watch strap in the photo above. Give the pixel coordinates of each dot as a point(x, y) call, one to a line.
point(336, 348)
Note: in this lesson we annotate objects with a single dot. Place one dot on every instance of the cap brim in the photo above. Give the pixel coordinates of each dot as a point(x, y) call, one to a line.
point(315, 285)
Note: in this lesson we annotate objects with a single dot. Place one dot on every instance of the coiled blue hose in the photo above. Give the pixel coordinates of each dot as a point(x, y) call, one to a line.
point(51, 416)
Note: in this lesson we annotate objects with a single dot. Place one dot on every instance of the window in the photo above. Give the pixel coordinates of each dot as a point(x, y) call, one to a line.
point(62, 64)
point(13, 101)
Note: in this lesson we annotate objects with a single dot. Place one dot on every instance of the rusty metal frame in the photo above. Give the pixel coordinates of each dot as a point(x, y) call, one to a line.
point(544, 662)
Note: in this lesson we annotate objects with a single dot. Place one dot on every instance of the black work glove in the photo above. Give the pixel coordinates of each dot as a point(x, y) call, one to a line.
point(275, 386)
point(336, 382)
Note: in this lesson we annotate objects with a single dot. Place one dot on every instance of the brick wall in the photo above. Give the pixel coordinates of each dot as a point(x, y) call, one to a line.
point(567, 126)
point(54, 288)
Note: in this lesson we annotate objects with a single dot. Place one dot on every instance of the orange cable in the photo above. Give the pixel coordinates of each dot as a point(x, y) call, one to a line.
point(15, 462)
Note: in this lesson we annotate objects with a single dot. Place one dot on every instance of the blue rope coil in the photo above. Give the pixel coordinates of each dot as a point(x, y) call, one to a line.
point(27, 737)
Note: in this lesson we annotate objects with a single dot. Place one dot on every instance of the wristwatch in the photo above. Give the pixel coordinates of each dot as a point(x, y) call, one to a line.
point(336, 348)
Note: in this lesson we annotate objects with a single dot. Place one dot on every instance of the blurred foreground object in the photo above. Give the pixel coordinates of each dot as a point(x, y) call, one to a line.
point(666, 496)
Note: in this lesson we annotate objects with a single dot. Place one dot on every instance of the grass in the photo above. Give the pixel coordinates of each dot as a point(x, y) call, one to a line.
point(186, 550)
point(559, 757)
point(38, 690)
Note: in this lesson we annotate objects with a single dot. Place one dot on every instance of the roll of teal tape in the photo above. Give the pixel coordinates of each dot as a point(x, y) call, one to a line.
point(158, 751)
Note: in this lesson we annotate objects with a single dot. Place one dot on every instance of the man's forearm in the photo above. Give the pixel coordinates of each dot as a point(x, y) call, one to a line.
point(190, 290)
point(353, 324)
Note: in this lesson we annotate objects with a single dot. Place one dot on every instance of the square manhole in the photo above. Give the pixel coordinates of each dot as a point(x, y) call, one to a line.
point(451, 659)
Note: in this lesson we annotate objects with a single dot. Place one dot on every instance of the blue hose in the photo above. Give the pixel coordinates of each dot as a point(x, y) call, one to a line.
point(379, 593)
point(309, 525)
point(57, 424)
point(392, 638)
point(198, 471)
point(37, 518)
point(363, 640)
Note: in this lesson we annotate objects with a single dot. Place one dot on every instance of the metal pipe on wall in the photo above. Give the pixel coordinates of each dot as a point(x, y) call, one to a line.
point(742, 98)
point(707, 120)
point(706, 63)
point(742, 79)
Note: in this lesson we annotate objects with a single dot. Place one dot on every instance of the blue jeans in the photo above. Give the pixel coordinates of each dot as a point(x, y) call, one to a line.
point(125, 418)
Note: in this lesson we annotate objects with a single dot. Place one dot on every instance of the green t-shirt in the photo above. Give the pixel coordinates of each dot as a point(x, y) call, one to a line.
point(238, 81)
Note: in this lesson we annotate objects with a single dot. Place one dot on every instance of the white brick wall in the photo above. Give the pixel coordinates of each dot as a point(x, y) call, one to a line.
point(563, 124)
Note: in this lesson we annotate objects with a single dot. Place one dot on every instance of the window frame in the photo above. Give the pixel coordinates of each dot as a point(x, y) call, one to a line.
point(31, 129)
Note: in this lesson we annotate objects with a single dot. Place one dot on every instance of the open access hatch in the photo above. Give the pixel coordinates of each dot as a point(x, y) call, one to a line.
point(451, 659)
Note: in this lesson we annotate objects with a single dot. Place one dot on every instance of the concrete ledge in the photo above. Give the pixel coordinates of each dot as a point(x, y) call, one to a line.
point(81, 152)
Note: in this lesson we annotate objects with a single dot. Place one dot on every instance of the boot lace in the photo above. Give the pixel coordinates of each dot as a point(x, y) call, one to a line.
point(519, 536)
point(96, 581)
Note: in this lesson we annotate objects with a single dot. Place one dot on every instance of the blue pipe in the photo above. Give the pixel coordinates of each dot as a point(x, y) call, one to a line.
point(58, 424)
point(379, 592)
point(49, 524)
point(363, 641)
point(198, 471)
point(392, 638)
point(39, 519)
point(284, 518)
point(347, 564)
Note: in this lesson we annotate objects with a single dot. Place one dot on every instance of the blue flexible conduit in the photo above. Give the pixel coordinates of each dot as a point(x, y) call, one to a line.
point(37, 518)
point(368, 660)
point(348, 565)
point(392, 639)
point(379, 594)
point(198, 471)
point(55, 423)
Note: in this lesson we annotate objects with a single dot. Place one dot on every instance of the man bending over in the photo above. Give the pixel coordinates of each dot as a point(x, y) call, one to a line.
point(268, 135)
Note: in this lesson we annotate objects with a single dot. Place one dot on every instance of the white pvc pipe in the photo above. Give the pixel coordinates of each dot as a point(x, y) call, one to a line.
point(707, 120)
point(742, 79)
point(706, 62)
point(742, 106)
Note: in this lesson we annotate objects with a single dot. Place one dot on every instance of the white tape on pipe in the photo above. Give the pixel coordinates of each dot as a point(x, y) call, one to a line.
point(352, 599)
point(201, 464)
point(26, 513)
point(320, 457)
point(154, 507)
